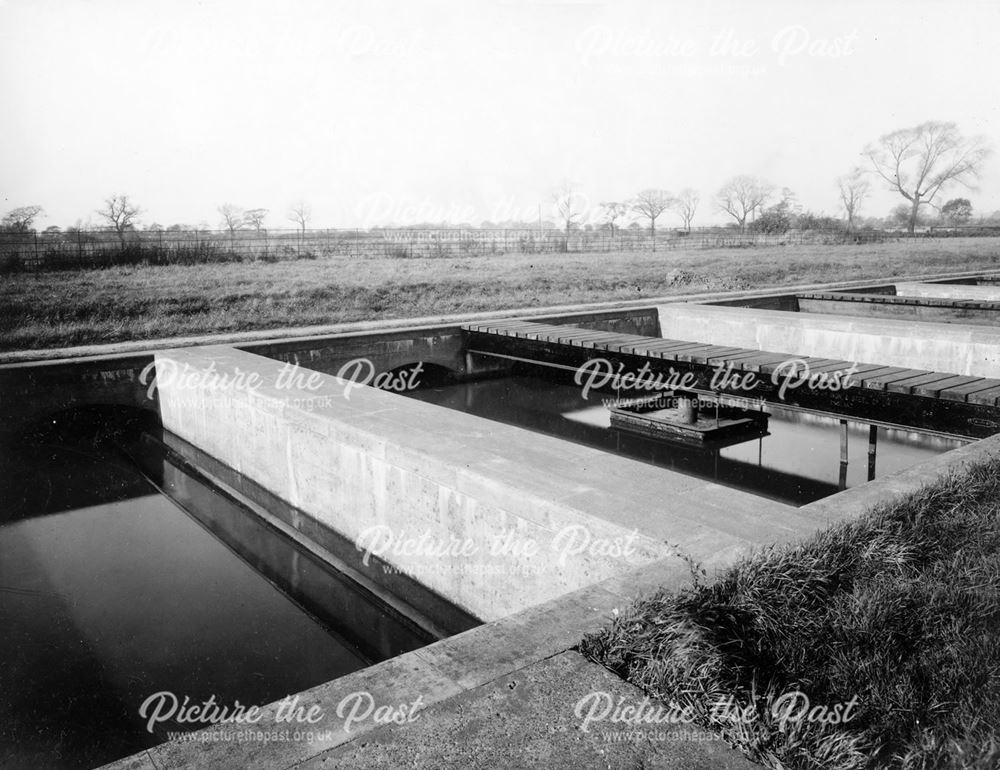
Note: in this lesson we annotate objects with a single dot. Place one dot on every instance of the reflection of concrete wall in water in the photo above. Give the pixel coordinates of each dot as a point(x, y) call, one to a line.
point(379, 460)
point(950, 348)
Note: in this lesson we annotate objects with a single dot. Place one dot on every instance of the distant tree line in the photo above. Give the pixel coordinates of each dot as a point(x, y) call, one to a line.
point(918, 163)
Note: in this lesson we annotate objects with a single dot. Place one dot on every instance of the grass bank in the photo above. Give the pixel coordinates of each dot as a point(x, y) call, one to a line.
point(64, 308)
point(899, 611)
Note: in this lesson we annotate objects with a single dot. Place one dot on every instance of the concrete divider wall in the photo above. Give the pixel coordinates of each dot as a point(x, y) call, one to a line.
point(440, 345)
point(954, 348)
point(933, 309)
point(421, 471)
point(949, 291)
point(34, 391)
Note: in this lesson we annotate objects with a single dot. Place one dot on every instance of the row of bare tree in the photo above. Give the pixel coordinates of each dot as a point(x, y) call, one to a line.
point(917, 163)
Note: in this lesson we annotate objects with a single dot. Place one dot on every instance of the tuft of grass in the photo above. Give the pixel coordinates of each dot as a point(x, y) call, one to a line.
point(899, 609)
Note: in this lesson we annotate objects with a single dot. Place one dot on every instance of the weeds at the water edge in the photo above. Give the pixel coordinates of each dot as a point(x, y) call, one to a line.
point(900, 610)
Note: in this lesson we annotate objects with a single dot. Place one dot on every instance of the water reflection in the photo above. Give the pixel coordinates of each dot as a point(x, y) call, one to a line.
point(110, 592)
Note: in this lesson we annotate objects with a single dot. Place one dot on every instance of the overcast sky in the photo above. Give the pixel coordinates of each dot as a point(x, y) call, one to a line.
point(470, 111)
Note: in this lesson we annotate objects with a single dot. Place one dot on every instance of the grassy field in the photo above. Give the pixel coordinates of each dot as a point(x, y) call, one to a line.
point(57, 309)
point(897, 612)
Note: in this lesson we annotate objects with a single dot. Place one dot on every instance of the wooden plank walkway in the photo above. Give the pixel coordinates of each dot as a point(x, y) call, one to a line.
point(892, 379)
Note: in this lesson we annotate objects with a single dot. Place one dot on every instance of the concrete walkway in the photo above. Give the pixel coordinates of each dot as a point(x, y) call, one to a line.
point(530, 718)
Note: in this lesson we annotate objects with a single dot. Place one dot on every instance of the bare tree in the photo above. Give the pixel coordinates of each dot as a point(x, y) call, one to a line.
point(232, 220)
point(255, 218)
point(854, 188)
point(120, 214)
point(232, 217)
point(566, 205)
point(21, 219)
point(686, 205)
point(917, 162)
point(649, 204)
point(300, 213)
point(742, 196)
point(612, 213)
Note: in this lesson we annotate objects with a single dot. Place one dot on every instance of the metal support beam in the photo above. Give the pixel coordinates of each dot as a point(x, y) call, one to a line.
point(872, 448)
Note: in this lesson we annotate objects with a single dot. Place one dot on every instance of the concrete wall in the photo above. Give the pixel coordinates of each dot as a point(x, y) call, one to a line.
point(956, 348)
point(31, 390)
point(439, 345)
point(34, 391)
point(378, 458)
point(933, 309)
point(949, 290)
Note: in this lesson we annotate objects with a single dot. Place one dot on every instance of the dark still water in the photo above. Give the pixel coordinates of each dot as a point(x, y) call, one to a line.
point(110, 592)
point(799, 461)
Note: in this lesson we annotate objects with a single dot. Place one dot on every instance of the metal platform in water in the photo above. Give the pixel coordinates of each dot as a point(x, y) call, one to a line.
point(712, 424)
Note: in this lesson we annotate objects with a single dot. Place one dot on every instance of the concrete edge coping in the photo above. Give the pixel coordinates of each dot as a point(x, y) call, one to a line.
point(871, 326)
point(483, 654)
point(272, 336)
point(909, 301)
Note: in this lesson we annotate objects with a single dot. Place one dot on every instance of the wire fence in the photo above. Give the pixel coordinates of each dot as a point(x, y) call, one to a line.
point(73, 249)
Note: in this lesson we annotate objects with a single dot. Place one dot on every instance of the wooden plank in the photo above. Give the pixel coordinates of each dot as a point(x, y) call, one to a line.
point(740, 354)
point(665, 344)
point(968, 392)
point(501, 323)
point(522, 328)
point(988, 397)
point(933, 389)
point(562, 338)
point(703, 356)
point(892, 373)
point(866, 368)
point(695, 349)
point(533, 333)
point(965, 392)
point(587, 342)
point(906, 386)
point(574, 333)
point(835, 366)
point(593, 343)
point(862, 378)
point(668, 351)
point(615, 344)
point(640, 345)
point(811, 362)
point(760, 360)
point(506, 330)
